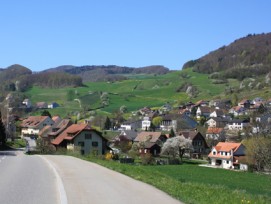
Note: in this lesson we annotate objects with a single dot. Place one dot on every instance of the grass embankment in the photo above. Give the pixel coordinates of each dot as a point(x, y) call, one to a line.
point(17, 143)
point(191, 183)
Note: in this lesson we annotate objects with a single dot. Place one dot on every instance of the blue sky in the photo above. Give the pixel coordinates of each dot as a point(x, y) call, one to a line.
point(48, 33)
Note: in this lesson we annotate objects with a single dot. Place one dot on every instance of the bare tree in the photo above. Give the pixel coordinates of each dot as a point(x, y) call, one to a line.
point(258, 152)
point(176, 146)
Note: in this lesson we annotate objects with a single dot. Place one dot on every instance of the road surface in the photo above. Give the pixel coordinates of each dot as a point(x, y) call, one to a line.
point(26, 180)
point(63, 179)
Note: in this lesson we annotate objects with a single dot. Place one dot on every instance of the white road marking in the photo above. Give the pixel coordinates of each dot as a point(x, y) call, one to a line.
point(62, 192)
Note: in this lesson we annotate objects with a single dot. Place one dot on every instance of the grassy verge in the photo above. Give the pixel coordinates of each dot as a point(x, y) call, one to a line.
point(17, 143)
point(191, 183)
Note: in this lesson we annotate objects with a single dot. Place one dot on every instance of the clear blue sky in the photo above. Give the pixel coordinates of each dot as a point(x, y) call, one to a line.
point(41, 34)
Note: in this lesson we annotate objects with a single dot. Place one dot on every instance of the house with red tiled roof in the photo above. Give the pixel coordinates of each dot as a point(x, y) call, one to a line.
point(227, 155)
point(215, 133)
point(32, 125)
point(83, 138)
point(48, 133)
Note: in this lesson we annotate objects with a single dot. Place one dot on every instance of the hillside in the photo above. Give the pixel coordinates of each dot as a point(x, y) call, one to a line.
point(245, 57)
point(107, 73)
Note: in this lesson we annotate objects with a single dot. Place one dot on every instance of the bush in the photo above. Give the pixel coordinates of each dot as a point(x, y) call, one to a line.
point(147, 159)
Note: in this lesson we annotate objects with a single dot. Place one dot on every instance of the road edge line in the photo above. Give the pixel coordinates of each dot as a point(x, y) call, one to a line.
point(61, 189)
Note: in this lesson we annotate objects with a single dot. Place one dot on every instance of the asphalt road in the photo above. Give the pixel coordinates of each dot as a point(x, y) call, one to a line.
point(87, 182)
point(52, 179)
point(26, 180)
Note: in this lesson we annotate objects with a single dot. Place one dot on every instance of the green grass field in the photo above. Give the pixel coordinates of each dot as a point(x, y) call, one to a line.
point(138, 91)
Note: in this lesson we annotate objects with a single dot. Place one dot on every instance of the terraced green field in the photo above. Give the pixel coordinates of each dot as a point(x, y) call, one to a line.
point(137, 92)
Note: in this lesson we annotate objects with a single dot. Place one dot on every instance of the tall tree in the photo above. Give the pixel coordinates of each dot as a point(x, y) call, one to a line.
point(2, 131)
point(107, 124)
point(46, 113)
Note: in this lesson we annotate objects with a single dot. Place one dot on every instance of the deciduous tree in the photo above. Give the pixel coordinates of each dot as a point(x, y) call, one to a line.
point(176, 146)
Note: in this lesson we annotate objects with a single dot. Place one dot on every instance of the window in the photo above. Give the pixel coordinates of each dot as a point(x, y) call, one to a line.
point(82, 144)
point(94, 144)
point(227, 162)
point(214, 153)
point(88, 136)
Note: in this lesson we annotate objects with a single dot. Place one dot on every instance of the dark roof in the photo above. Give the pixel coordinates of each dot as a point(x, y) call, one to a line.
point(129, 134)
point(218, 119)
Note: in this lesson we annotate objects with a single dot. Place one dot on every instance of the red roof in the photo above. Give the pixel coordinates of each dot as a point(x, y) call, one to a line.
point(71, 132)
point(33, 121)
point(214, 130)
point(225, 147)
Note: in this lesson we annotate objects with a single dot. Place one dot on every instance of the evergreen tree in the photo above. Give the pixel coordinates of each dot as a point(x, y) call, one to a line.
point(46, 113)
point(107, 124)
point(2, 131)
point(172, 133)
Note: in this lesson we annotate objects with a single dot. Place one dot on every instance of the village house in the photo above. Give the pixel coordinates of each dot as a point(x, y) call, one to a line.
point(238, 111)
point(203, 111)
point(57, 129)
point(83, 137)
point(53, 105)
point(237, 124)
point(200, 146)
point(34, 124)
point(131, 125)
point(217, 122)
point(27, 103)
point(245, 103)
point(217, 113)
point(41, 105)
point(169, 122)
point(146, 123)
point(150, 142)
point(215, 133)
point(202, 103)
point(126, 135)
point(227, 155)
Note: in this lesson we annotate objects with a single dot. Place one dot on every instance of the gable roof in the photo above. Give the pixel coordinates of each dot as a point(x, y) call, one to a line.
point(148, 136)
point(129, 134)
point(205, 109)
point(214, 130)
point(70, 133)
point(33, 121)
point(189, 134)
point(227, 146)
point(58, 128)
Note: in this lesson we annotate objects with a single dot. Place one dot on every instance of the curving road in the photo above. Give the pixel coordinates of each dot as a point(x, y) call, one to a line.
point(26, 179)
point(64, 179)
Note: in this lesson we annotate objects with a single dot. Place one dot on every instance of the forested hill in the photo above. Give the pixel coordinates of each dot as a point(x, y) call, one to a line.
point(245, 57)
point(107, 73)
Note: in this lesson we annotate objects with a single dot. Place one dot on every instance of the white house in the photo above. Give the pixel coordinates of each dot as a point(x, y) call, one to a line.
point(33, 124)
point(237, 124)
point(226, 155)
point(146, 123)
point(27, 103)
